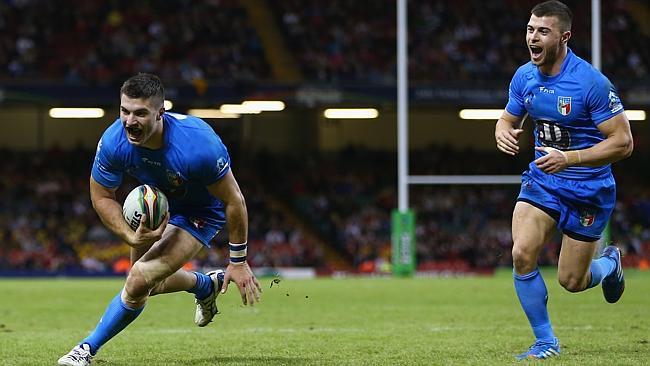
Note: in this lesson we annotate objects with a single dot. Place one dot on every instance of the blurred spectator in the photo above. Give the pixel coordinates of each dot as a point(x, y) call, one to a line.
point(333, 40)
point(106, 41)
point(47, 222)
point(451, 41)
point(349, 197)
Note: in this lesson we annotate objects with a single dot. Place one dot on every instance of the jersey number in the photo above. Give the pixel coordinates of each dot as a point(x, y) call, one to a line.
point(552, 135)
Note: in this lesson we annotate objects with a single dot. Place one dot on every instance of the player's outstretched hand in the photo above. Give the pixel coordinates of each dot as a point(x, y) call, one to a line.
point(554, 161)
point(145, 236)
point(243, 277)
point(508, 139)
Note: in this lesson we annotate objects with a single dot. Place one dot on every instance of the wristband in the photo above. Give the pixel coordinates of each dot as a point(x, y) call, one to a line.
point(573, 157)
point(237, 253)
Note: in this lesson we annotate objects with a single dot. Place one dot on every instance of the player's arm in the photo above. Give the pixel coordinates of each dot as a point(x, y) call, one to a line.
point(227, 190)
point(110, 212)
point(617, 145)
point(507, 132)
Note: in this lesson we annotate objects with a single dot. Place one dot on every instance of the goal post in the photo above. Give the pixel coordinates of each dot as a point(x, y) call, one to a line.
point(402, 236)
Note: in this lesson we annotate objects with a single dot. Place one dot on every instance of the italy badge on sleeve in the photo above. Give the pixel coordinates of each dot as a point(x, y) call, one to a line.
point(564, 105)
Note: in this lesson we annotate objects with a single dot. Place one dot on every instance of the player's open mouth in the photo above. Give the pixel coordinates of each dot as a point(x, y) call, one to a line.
point(535, 52)
point(134, 133)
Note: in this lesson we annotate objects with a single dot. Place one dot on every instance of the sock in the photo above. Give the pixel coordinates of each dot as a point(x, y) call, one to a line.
point(203, 287)
point(533, 297)
point(601, 268)
point(116, 317)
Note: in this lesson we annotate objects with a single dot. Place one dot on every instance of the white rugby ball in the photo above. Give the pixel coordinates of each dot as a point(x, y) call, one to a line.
point(148, 200)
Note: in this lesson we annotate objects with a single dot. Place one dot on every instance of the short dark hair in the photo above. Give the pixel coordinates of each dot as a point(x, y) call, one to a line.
point(557, 9)
point(145, 86)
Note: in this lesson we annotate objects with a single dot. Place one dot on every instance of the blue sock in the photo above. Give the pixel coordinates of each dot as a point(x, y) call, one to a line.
point(533, 297)
point(600, 268)
point(116, 317)
point(203, 287)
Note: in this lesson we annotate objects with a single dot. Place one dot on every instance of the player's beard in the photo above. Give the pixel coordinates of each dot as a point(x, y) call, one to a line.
point(547, 58)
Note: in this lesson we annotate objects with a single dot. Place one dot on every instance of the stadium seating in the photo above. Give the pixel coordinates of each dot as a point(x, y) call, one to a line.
point(349, 198)
point(348, 41)
point(48, 225)
point(344, 198)
point(99, 42)
point(333, 41)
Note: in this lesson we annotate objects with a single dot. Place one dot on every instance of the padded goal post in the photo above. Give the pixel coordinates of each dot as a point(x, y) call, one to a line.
point(403, 238)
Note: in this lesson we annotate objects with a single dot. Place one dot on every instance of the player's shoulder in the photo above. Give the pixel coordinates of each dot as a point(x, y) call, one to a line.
point(526, 71)
point(113, 138)
point(585, 73)
point(194, 134)
point(115, 130)
point(189, 125)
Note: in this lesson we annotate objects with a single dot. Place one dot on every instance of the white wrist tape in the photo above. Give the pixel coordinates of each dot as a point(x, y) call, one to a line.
point(238, 253)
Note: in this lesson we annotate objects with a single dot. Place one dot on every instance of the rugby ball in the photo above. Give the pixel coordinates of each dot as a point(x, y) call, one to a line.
point(148, 200)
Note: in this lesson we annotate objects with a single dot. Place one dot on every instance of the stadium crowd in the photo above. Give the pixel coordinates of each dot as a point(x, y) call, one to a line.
point(471, 40)
point(103, 42)
point(333, 41)
point(48, 225)
point(349, 197)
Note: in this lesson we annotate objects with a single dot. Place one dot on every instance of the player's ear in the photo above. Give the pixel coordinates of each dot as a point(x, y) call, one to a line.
point(160, 113)
point(565, 37)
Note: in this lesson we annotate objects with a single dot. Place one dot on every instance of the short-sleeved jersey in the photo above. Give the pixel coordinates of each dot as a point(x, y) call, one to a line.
point(191, 158)
point(566, 108)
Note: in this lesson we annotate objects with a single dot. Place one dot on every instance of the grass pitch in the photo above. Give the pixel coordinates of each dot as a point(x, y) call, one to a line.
point(362, 321)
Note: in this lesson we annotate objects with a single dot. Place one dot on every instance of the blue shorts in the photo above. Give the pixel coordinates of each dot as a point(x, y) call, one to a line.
point(581, 208)
point(202, 229)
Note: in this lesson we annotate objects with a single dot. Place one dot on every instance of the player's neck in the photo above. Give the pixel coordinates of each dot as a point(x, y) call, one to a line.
point(555, 68)
point(156, 140)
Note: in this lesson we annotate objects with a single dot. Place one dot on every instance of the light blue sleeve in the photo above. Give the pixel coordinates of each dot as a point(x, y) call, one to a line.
point(602, 100)
point(515, 104)
point(107, 170)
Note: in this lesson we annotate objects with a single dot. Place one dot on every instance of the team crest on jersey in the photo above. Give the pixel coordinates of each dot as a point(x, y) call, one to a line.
point(174, 178)
point(564, 105)
point(614, 102)
point(198, 222)
point(222, 164)
point(587, 218)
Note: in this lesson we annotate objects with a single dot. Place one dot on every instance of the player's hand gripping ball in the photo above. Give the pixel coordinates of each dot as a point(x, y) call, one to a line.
point(147, 200)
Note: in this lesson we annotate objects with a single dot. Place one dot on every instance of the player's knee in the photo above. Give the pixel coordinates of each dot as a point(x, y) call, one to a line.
point(136, 287)
point(523, 260)
point(572, 283)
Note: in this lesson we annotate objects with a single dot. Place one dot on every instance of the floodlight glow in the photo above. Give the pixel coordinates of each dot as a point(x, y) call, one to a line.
point(636, 115)
point(168, 104)
point(490, 114)
point(76, 113)
point(351, 113)
point(264, 105)
point(238, 109)
point(211, 113)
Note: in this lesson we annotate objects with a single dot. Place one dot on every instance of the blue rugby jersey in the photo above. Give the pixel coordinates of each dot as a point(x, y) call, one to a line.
point(191, 158)
point(566, 109)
